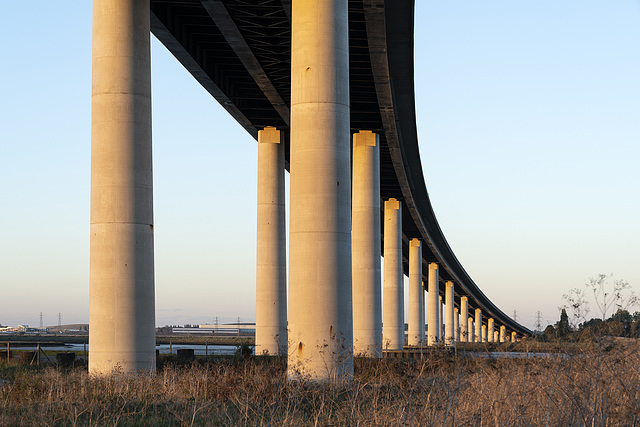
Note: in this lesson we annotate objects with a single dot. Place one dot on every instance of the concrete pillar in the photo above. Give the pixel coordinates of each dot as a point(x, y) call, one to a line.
point(440, 320)
point(514, 337)
point(393, 311)
point(490, 329)
point(484, 333)
point(415, 293)
point(464, 314)
point(320, 306)
point(365, 241)
point(271, 257)
point(478, 323)
point(122, 300)
point(471, 337)
point(423, 330)
point(449, 334)
point(456, 324)
point(432, 330)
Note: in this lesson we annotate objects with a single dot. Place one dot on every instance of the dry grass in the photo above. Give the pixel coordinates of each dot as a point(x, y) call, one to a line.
point(592, 388)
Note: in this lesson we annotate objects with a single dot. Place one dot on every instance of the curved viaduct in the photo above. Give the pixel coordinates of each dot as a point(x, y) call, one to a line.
point(240, 52)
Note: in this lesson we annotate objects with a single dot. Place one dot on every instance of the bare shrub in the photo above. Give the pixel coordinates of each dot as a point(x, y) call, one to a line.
point(600, 386)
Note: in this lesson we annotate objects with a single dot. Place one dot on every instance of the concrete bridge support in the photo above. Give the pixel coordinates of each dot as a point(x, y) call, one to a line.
point(393, 311)
point(484, 334)
point(416, 310)
point(514, 337)
point(490, 330)
point(456, 324)
point(271, 256)
point(365, 241)
point(478, 323)
point(440, 320)
point(472, 335)
point(122, 301)
point(433, 329)
point(320, 305)
point(449, 334)
point(464, 315)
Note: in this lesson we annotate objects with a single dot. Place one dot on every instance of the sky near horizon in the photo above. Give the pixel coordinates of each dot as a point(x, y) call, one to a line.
point(529, 129)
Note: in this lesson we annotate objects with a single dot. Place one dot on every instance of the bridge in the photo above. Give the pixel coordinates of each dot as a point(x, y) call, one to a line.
point(306, 80)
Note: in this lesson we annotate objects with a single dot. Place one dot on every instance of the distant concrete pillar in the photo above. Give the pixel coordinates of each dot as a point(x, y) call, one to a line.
point(464, 314)
point(456, 324)
point(514, 337)
point(503, 333)
point(490, 329)
point(484, 333)
point(423, 330)
point(433, 317)
point(393, 311)
point(478, 323)
point(472, 335)
point(414, 336)
point(449, 334)
point(496, 336)
point(440, 320)
point(271, 257)
point(320, 306)
point(365, 240)
point(122, 300)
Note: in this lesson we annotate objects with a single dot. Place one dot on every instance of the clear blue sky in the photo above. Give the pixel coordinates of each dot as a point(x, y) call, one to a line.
point(529, 125)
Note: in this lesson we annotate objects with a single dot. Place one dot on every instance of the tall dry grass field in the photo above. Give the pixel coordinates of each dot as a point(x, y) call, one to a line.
point(597, 387)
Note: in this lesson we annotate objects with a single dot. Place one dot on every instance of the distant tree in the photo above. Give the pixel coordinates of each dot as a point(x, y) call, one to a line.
point(562, 327)
point(618, 296)
point(549, 333)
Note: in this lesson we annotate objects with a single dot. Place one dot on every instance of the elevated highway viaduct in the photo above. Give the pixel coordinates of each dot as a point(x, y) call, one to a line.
point(244, 53)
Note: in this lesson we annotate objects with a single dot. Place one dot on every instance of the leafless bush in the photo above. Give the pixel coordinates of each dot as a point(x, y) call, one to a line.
point(594, 387)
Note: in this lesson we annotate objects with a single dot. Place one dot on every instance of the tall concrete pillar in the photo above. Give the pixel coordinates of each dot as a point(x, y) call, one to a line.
point(122, 301)
point(464, 314)
point(415, 293)
point(393, 310)
point(484, 333)
point(496, 336)
point(423, 330)
point(365, 241)
point(514, 337)
point(478, 323)
point(456, 324)
point(449, 334)
point(490, 329)
point(433, 318)
point(440, 320)
point(320, 306)
point(472, 335)
point(271, 257)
